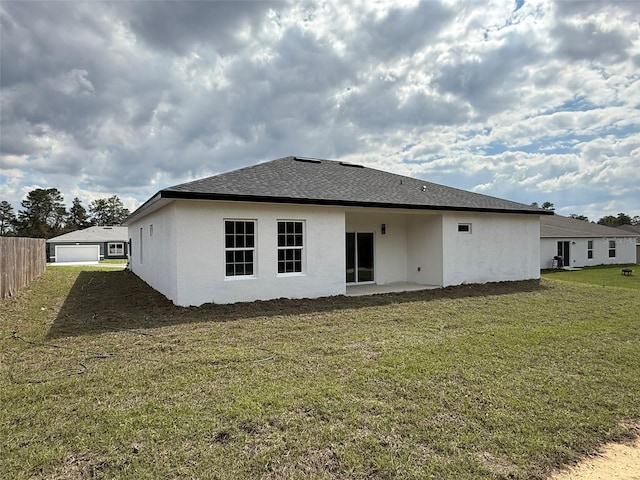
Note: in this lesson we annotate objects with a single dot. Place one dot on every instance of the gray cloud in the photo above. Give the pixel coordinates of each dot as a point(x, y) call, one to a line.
point(177, 26)
point(41, 39)
point(580, 35)
point(589, 42)
point(401, 31)
point(483, 81)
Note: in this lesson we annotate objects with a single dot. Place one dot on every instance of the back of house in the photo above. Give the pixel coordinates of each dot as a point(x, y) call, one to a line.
point(303, 228)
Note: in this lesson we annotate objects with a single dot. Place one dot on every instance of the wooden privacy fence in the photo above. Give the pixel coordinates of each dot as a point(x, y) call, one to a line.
point(21, 261)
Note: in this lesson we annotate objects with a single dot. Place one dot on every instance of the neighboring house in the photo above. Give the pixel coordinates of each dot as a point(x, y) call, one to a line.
point(580, 243)
point(634, 229)
point(300, 227)
point(89, 245)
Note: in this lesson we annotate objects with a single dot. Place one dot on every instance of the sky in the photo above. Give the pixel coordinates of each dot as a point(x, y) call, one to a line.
point(531, 101)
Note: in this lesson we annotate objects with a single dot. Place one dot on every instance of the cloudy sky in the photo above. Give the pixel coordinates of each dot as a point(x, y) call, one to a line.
point(525, 100)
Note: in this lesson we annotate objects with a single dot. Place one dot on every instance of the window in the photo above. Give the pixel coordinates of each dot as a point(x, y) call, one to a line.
point(464, 227)
point(141, 245)
point(589, 249)
point(290, 246)
point(115, 248)
point(239, 247)
point(612, 248)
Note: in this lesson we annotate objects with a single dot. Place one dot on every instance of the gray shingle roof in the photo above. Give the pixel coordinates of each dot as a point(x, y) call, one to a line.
point(327, 182)
point(557, 226)
point(632, 228)
point(93, 234)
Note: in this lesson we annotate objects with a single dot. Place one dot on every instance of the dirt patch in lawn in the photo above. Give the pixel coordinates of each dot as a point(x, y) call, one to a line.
point(119, 300)
point(616, 461)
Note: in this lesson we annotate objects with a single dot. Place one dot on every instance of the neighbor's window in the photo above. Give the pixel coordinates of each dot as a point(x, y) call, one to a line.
point(612, 248)
point(115, 248)
point(464, 227)
point(239, 247)
point(589, 249)
point(290, 246)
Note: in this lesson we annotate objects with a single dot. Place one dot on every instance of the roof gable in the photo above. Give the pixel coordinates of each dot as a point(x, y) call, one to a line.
point(328, 182)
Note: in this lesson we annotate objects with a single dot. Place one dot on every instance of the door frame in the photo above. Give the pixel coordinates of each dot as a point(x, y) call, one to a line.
point(564, 247)
point(373, 256)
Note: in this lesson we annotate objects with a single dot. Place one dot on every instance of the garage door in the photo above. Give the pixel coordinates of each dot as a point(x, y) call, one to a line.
point(77, 253)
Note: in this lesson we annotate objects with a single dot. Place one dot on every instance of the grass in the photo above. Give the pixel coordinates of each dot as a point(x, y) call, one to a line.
point(604, 276)
point(103, 378)
point(114, 261)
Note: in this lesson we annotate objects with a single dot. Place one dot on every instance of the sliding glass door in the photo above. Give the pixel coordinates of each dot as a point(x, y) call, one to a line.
point(359, 257)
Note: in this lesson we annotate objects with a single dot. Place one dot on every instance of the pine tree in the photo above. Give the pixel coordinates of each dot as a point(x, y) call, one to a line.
point(78, 217)
point(43, 214)
point(108, 211)
point(7, 219)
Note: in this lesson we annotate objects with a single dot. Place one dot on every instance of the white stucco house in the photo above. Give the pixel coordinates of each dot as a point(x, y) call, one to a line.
point(580, 243)
point(304, 228)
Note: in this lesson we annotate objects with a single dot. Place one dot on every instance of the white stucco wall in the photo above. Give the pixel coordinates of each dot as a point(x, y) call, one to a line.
point(186, 262)
point(158, 264)
point(625, 251)
point(500, 247)
point(184, 258)
point(424, 246)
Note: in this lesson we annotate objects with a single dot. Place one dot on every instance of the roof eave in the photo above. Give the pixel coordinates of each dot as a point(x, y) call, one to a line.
point(172, 194)
point(144, 209)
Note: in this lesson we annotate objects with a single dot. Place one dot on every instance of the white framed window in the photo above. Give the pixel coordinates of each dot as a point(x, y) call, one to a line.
point(589, 249)
point(290, 246)
point(115, 248)
point(464, 228)
point(239, 248)
point(612, 249)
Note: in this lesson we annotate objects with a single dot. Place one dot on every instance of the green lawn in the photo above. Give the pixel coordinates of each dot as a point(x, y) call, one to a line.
point(604, 276)
point(115, 261)
point(104, 378)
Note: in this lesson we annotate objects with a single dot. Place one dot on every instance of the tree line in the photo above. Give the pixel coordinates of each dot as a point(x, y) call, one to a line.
point(44, 214)
point(607, 220)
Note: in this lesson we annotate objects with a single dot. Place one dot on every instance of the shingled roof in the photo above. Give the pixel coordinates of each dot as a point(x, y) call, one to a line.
point(93, 234)
point(557, 226)
point(326, 182)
